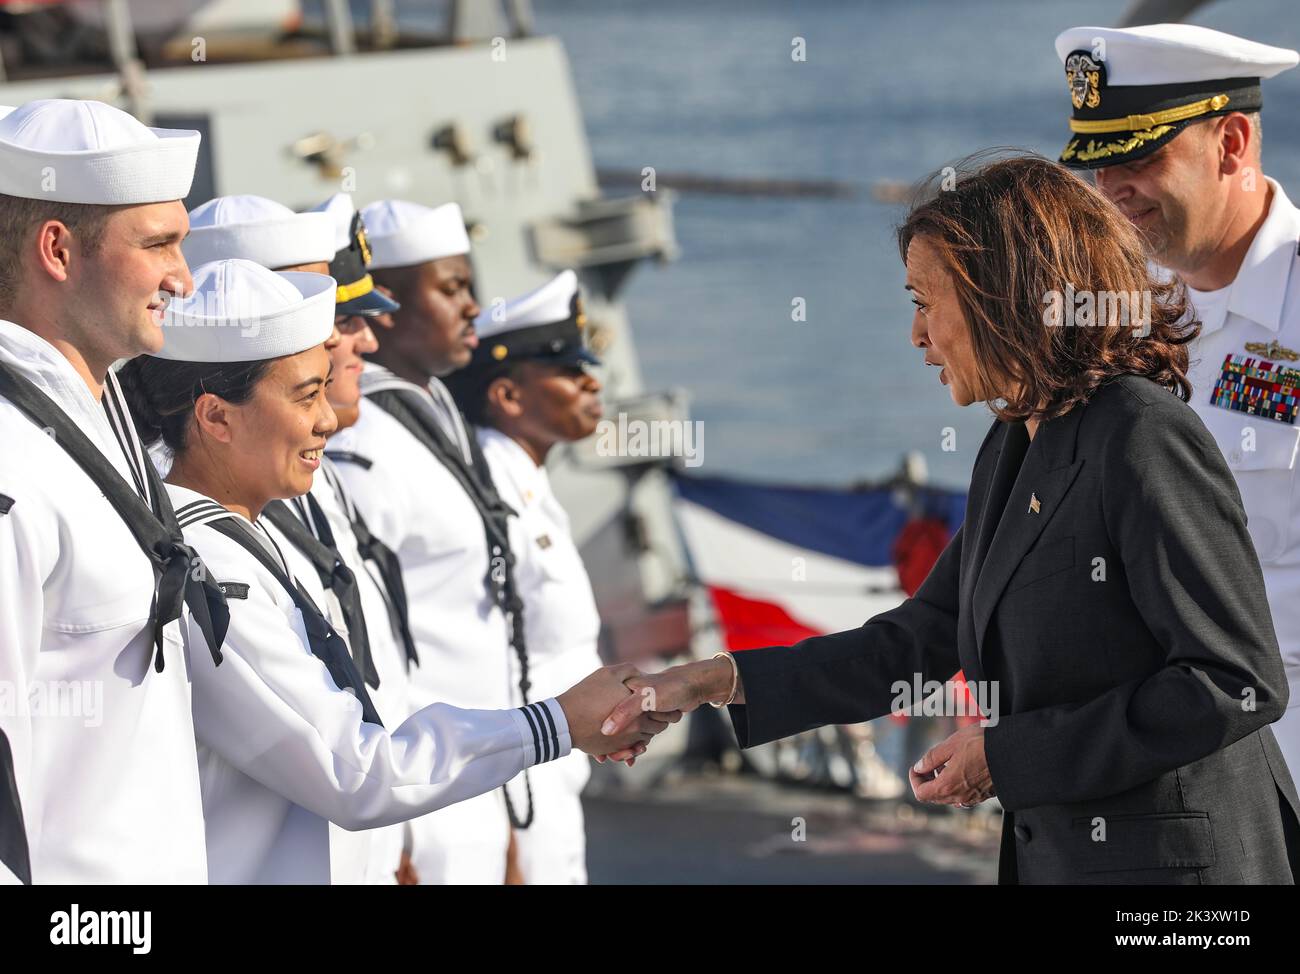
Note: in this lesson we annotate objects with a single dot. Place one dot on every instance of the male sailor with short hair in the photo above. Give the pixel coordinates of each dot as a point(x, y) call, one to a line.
point(409, 464)
point(102, 735)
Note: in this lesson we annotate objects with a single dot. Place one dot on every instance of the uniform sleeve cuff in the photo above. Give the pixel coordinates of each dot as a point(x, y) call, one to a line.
point(543, 731)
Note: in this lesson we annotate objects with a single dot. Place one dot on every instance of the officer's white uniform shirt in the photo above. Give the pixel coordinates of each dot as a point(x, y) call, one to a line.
point(283, 751)
point(414, 505)
point(110, 789)
point(1261, 305)
point(561, 628)
point(371, 856)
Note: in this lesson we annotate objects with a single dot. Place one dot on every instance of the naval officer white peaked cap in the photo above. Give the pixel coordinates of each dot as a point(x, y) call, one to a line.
point(1161, 54)
point(239, 311)
point(73, 151)
point(551, 302)
point(1133, 89)
point(402, 233)
point(257, 229)
point(545, 324)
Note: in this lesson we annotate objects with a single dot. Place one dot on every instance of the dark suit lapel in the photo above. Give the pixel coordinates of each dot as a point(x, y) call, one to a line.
point(986, 501)
point(991, 480)
point(1048, 471)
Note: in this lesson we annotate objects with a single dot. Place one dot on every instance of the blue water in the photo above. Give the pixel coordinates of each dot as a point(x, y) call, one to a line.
point(890, 90)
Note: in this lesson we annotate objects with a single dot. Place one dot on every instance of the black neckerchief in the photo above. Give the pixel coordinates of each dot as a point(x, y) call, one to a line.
point(416, 415)
point(334, 574)
point(326, 645)
point(13, 834)
point(389, 567)
point(180, 577)
point(382, 557)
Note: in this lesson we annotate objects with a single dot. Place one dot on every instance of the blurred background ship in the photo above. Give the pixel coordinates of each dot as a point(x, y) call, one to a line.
point(597, 135)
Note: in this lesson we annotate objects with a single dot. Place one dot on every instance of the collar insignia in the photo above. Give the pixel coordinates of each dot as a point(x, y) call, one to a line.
point(1272, 350)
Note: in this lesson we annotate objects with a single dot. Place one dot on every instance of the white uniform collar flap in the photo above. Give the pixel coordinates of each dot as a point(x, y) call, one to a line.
point(528, 479)
point(1261, 284)
point(36, 359)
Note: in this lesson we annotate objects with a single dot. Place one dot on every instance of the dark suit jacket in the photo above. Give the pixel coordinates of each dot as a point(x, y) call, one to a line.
point(1126, 625)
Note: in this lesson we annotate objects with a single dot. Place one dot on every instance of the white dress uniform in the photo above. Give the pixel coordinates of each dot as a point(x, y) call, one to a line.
point(412, 503)
point(283, 749)
point(268, 233)
point(1244, 366)
point(417, 507)
point(283, 752)
point(373, 856)
point(1239, 326)
point(562, 627)
point(103, 743)
point(561, 622)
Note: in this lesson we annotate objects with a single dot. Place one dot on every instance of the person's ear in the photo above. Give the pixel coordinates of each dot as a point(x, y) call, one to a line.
point(54, 249)
point(213, 417)
point(505, 399)
point(1236, 144)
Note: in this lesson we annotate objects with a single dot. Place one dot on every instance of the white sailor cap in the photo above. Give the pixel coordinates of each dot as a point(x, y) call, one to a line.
point(257, 229)
point(402, 233)
point(73, 151)
point(239, 311)
point(5, 110)
point(1133, 89)
point(340, 209)
point(545, 324)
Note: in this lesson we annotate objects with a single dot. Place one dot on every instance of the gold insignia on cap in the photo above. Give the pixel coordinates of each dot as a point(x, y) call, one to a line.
point(364, 243)
point(581, 316)
point(1102, 150)
point(1083, 75)
point(499, 352)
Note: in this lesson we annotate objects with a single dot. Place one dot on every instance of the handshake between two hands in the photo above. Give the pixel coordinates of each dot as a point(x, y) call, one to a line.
point(615, 711)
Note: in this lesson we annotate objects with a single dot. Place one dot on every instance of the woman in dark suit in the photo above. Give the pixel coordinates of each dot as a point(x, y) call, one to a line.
point(1103, 580)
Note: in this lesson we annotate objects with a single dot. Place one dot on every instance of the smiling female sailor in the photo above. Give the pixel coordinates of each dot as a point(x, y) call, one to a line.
point(289, 739)
point(361, 596)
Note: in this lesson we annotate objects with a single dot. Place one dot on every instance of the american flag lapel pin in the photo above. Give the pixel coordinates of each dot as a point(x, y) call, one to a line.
point(1034, 505)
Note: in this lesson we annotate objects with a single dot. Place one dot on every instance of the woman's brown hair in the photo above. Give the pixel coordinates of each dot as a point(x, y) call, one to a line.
point(1047, 273)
